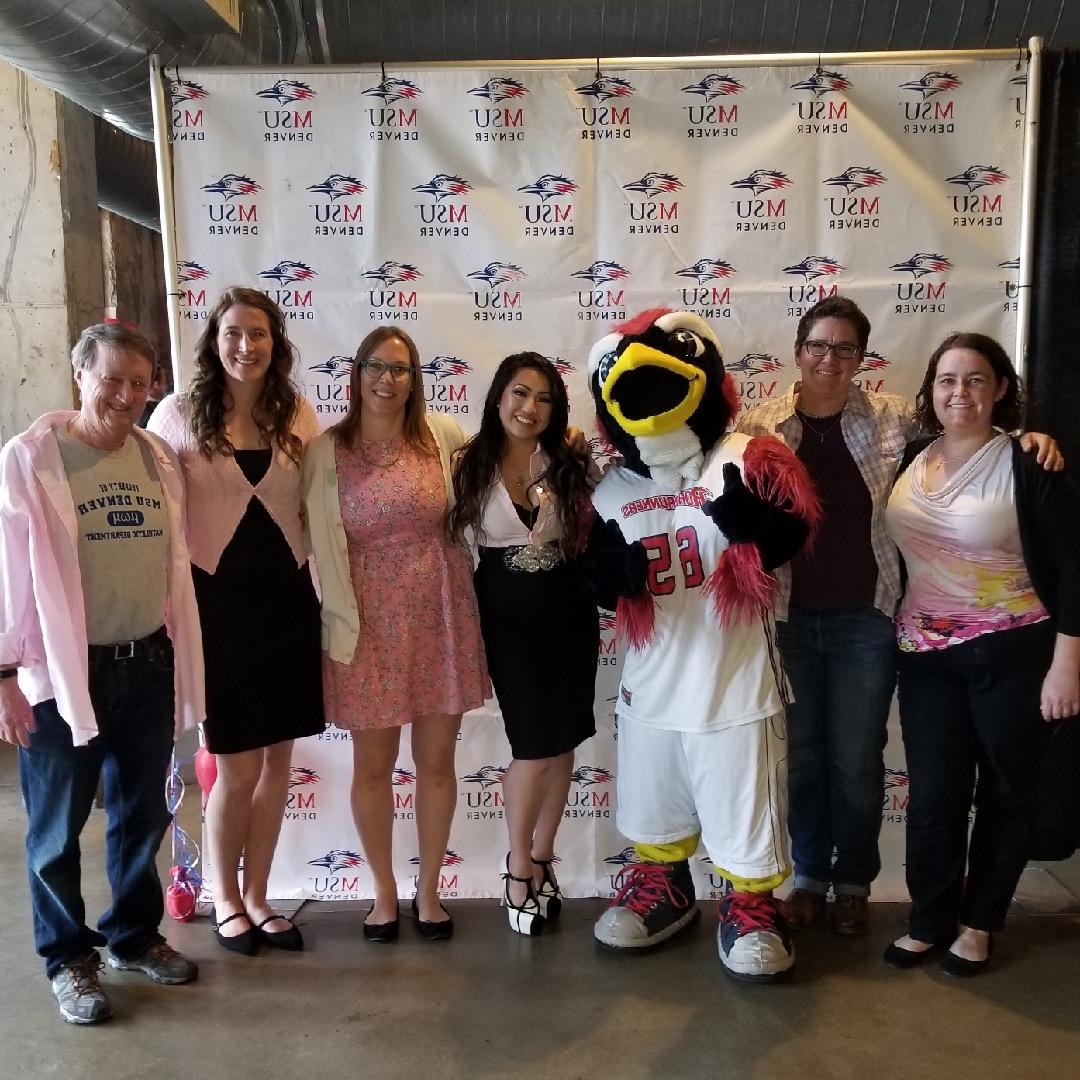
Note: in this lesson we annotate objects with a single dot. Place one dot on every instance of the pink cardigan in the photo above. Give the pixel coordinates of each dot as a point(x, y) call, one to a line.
point(218, 492)
point(42, 618)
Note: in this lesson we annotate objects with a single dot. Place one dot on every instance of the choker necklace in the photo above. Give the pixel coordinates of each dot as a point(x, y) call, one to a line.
point(831, 422)
point(388, 456)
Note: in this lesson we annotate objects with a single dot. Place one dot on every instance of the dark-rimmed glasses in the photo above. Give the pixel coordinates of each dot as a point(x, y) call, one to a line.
point(374, 369)
point(842, 350)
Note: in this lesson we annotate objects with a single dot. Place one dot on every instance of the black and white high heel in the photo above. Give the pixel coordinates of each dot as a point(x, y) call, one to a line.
point(549, 895)
point(526, 917)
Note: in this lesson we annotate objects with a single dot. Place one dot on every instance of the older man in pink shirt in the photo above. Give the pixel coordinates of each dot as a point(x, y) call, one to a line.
point(100, 661)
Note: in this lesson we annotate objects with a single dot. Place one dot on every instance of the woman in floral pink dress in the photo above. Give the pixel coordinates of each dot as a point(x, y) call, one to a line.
point(401, 635)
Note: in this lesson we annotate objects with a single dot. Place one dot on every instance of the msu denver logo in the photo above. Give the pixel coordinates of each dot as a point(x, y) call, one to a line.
point(815, 266)
point(231, 185)
point(403, 778)
point(589, 775)
point(872, 360)
point(185, 90)
point(451, 858)
point(445, 367)
point(933, 82)
point(190, 271)
point(338, 859)
point(895, 778)
point(655, 183)
point(563, 367)
point(755, 363)
point(550, 185)
point(762, 180)
point(1009, 264)
point(823, 82)
point(391, 90)
point(855, 177)
point(286, 91)
point(922, 263)
point(498, 88)
point(622, 858)
point(604, 87)
point(300, 776)
point(337, 367)
point(602, 270)
point(390, 273)
point(487, 776)
point(498, 273)
point(977, 176)
point(705, 270)
point(288, 271)
point(337, 185)
point(442, 185)
point(714, 86)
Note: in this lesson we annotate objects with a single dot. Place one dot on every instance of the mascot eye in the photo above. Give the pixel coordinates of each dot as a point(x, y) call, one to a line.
point(686, 343)
point(607, 362)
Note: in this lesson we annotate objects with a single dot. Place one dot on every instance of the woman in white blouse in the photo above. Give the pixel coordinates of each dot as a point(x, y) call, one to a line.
point(520, 490)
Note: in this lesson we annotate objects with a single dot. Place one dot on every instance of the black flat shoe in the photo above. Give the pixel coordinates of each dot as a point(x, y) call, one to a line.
point(434, 931)
point(904, 959)
point(383, 932)
point(959, 967)
point(290, 939)
point(246, 944)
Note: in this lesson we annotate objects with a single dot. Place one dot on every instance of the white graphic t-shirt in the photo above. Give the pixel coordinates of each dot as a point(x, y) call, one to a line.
point(694, 674)
point(123, 537)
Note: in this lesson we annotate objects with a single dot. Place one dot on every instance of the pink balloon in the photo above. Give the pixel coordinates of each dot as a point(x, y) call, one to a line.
point(205, 771)
point(181, 896)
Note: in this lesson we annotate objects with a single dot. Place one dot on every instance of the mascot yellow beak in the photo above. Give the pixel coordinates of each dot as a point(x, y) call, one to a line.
point(639, 358)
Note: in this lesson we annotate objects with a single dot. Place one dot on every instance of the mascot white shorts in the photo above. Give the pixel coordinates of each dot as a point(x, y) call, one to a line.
point(729, 785)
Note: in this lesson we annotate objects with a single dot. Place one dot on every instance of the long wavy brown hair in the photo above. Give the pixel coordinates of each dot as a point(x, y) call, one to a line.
point(277, 405)
point(476, 465)
point(415, 431)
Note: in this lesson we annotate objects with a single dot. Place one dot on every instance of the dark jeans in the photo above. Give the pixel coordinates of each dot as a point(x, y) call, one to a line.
point(965, 711)
point(133, 701)
point(842, 668)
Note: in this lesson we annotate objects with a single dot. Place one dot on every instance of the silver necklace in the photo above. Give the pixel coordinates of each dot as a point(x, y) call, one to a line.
point(833, 419)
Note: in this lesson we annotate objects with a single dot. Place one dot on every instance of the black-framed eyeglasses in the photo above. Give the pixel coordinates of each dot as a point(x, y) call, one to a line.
point(842, 350)
point(374, 369)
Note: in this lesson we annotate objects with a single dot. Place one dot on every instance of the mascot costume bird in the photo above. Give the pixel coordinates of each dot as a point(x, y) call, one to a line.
point(701, 748)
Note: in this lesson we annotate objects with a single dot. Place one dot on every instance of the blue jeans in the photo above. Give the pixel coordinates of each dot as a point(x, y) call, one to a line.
point(133, 702)
point(842, 668)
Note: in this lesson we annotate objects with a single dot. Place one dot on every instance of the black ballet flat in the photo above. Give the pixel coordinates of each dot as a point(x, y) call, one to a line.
point(434, 931)
point(383, 932)
point(959, 967)
point(897, 957)
point(290, 939)
point(246, 944)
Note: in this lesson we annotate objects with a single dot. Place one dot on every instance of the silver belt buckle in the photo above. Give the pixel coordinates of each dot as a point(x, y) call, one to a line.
point(532, 558)
point(124, 650)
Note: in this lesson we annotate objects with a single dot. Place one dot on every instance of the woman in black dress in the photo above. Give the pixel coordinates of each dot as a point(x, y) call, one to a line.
point(239, 433)
point(520, 490)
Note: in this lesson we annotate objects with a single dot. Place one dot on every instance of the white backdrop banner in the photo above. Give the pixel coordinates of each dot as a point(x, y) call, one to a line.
point(492, 209)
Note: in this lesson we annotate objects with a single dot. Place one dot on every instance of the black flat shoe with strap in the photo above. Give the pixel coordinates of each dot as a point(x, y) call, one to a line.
point(246, 944)
point(288, 939)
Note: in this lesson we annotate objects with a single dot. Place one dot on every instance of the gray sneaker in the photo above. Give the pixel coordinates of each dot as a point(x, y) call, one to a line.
point(161, 962)
point(79, 994)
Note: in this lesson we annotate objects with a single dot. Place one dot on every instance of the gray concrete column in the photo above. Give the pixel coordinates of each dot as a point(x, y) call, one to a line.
point(50, 246)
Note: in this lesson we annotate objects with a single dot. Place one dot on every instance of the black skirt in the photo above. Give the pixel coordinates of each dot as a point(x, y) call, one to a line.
point(542, 636)
point(261, 641)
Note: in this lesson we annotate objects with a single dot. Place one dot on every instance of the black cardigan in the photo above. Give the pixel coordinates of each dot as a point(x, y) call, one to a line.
point(1048, 515)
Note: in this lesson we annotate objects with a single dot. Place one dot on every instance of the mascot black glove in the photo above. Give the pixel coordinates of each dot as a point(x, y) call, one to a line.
point(745, 517)
point(611, 566)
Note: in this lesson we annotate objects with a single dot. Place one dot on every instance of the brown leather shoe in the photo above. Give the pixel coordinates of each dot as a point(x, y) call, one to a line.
point(850, 914)
point(802, 908)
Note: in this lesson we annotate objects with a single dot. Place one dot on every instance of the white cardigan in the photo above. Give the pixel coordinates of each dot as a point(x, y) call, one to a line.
point(326, 531)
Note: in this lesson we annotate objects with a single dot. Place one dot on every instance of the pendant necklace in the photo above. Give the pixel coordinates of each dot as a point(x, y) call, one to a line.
point(830, 422)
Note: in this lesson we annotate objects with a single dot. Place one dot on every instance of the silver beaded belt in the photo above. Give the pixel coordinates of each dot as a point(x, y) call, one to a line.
point(533, 557)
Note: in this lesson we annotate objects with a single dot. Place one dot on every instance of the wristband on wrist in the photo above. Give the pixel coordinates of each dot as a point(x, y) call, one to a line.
point(8, 673)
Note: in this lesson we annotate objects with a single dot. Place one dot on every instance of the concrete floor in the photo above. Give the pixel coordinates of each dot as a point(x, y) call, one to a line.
point(493, 1004)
